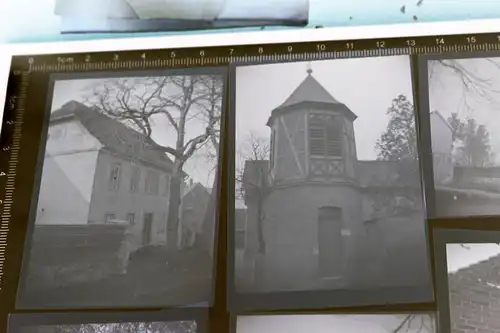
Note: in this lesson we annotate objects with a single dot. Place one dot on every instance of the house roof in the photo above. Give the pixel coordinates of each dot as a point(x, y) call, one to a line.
point(113, 135)
point(388, 173)
point(311, 91)
point(486, 271)
point(198, 188)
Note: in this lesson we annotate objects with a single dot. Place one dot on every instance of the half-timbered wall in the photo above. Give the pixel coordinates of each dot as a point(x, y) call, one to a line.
point(289, 148)
point(331, 145)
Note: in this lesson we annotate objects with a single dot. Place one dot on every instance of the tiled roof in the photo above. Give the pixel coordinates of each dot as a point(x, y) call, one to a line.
point(113, 135)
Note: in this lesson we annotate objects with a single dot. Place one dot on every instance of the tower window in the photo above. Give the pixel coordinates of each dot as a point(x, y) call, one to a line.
point(325, 136)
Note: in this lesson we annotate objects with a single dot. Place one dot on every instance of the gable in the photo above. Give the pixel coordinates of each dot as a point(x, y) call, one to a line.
point(70, 136)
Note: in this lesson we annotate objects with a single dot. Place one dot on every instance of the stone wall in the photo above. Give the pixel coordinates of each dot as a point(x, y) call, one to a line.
point(63, 255)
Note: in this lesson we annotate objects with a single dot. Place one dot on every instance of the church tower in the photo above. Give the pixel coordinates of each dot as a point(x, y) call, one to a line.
point(313, 209)
point(312, 137)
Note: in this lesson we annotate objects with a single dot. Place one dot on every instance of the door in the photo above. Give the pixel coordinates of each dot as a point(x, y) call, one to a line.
point(147, 228)
point(330, 247)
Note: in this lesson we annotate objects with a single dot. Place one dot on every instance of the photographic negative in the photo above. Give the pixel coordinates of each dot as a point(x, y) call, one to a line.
point(327, 183)
point(463, 98)
point(171, 321)
point(125, 211)
point(350, 323)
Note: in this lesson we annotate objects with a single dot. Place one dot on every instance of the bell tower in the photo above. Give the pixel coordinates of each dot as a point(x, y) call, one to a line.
point(312, 137)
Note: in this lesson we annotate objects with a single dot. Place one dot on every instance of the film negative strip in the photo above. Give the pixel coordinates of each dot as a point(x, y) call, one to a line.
point(289, 166)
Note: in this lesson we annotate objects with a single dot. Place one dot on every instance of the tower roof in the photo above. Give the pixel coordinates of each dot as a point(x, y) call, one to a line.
point(310, 91)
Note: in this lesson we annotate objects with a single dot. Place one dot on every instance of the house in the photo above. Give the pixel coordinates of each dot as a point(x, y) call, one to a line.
point(474, 297)
point(317, 203)
point(96, 170)
point(194, 205)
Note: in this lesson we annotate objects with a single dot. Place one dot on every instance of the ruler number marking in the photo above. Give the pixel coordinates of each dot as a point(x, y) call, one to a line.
point(470, 39)
point(411, 42)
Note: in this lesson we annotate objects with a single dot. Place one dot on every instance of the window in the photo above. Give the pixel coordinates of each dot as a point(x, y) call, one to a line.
point(131, 218)
point(152, 183)
point(134, 180)
point(109, 217)
point(166, 190)
point(114, 177)
point(325, 136)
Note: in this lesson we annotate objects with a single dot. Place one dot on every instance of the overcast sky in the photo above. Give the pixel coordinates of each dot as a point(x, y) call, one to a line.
point(463, 255)
point(367, 86)
point(199, 167)
point(447, 94)
point(330, 323)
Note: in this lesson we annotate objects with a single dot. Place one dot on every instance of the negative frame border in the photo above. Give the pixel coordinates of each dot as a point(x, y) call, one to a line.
point(414, 297)
point(50, 79)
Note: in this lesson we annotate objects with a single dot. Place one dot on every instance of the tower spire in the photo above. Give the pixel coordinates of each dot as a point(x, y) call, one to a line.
point(309, 69)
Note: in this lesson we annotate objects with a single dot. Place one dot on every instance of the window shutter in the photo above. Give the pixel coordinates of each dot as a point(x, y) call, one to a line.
point(325, 136)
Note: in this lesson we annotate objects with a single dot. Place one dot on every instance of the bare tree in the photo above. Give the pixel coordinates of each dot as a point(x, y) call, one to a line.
point(416, 323)
point(475, 76)
point(134, 327)
point(212, 107)
point(253, 149)
point(183, 101)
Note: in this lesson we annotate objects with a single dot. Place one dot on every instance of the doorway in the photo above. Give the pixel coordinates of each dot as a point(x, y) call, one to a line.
point(147, 228)
point(330, 243)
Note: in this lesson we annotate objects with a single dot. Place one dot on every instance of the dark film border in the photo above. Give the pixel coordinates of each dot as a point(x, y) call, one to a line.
point(9, 114)
point(415, 297)
point(18, 321)
point(44, 87)
point(465, 231)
